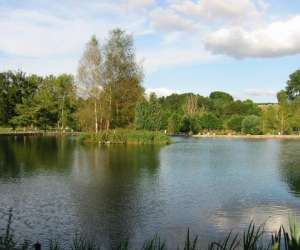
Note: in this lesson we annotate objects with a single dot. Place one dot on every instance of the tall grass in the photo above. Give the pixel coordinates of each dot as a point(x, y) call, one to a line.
point(126, 136)
point(254, 238)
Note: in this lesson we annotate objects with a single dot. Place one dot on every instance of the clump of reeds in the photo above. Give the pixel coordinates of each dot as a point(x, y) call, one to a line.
point(254, 238)
point(126, 136)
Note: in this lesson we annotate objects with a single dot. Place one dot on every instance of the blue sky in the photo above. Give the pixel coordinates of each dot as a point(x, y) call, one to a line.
point(245, 47)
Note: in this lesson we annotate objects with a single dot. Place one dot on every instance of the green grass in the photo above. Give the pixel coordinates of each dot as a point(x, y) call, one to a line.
point(254, 238)
point(124, 136)
point(5, 130)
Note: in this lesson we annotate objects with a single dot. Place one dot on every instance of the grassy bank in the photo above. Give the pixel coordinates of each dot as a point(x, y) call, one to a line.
point(253, 238)
point(124, 136)
point(281, 137)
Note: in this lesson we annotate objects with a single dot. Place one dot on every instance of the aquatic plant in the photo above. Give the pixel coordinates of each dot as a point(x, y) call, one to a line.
point(126, 136)
point(254, 238)
point(7, 240)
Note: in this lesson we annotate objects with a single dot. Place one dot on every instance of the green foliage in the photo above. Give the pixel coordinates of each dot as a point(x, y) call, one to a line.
point(219, 95)
point(185, 124)
point(81, 243)
point(210, 121)
point(154, 244)
point(174, 123)
point(148, 114)
point(15, 88)
point(112, 97)
point(125, 136)
point(235, 123)
point(123, 77)
point(270, 122)
point(293, 85)
point(251, 125)
point(253, 238)
point(294, 239)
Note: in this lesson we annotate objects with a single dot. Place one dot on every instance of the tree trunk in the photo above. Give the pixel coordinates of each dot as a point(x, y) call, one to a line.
point(282, 121)
point(101, 118)
point(110, 109)
point(96, 118)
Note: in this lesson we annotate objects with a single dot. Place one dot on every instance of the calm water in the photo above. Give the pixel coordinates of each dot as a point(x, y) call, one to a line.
point(58, 187)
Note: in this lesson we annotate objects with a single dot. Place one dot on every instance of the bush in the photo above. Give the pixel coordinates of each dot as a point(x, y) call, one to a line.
point(251, 125)
point(174, 123)
point(211, 122)
point(235, 123)
point(125, 136)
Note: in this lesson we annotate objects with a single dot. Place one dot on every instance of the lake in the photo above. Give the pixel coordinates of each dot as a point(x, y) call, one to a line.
point(58, 187)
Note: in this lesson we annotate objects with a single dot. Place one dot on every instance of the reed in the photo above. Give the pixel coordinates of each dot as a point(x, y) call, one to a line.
point(126, 136)
point(254, 238)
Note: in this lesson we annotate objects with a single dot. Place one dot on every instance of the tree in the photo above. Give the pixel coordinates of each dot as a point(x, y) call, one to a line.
point(210, 121)
point(123, 77)
point(195, 124)
point(149, 114)
point(185, 124)
point(191, 105)
point(15, 88)
point(66, 99)
point(219, 95)
point(90, 73)
point(220, 102)
point(270, 122)
point(294, 120)
point(284, 111)
point(235, 123)
point(85, 118)
point(46, 105)
point(293, 85)
point(174, 123)
point(142, 114)
point(251, 125)
point(25, 111)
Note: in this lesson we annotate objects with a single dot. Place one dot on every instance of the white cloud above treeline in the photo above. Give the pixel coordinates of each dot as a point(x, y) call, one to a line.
point(175, 32)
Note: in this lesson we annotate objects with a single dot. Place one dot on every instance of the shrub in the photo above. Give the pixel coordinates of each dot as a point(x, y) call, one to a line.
point(251, 125)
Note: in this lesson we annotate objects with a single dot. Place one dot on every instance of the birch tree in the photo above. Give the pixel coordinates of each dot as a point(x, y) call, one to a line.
point(123, 78)
point(89, 74)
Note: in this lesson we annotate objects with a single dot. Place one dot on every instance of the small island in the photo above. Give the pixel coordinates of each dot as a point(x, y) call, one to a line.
point(150, 124)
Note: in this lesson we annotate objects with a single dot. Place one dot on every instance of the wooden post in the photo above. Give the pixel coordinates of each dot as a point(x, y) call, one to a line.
point(37, 246)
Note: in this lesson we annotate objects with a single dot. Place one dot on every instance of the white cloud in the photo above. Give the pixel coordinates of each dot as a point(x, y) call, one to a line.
point(279, 38)
point(221, 10)
point(169, 20)
point(259, 93)
point(42, 66)
point(34, 34)
point(180, 32)
point(139, 4)
point(168, 57)
point(161, 91)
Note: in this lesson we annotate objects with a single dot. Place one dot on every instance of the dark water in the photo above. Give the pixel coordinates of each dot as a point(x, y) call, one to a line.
point(58, 187)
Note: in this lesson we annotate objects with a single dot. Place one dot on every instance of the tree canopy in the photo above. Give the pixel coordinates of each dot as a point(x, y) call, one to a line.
point(112, 96)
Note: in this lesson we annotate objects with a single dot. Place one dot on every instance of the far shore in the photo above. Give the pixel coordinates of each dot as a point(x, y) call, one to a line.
point(38, 132)
point(281, 137)
point(228, 136)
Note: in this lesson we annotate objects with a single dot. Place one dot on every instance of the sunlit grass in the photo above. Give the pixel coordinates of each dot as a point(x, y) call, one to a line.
point(125, 136)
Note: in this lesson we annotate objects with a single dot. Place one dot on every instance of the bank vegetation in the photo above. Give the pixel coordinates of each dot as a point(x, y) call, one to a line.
point(107, 94)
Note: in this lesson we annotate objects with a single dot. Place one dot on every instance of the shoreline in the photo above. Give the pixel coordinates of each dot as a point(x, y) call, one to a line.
point(279, 137)
point(36, 133)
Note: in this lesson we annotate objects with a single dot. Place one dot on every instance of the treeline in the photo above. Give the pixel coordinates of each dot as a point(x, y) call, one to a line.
point(37, 102)
point(103, 94)
point(220, 113)
point(107, 93)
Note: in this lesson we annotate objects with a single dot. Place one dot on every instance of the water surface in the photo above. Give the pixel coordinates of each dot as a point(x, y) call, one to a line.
point(58, 187)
